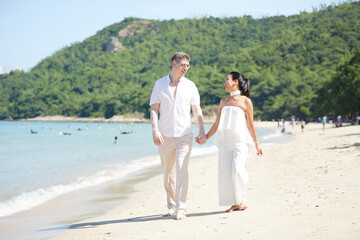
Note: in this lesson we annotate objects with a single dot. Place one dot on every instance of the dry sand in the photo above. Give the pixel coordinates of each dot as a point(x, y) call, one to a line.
point(308, 188)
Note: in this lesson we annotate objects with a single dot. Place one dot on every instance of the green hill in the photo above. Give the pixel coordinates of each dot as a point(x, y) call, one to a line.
point(287, 59)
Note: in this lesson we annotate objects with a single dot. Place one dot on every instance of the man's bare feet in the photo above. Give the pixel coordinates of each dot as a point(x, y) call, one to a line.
point(181, 215)
point(239, 207)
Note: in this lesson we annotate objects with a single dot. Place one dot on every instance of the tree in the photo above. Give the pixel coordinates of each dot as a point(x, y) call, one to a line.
point(343, 91)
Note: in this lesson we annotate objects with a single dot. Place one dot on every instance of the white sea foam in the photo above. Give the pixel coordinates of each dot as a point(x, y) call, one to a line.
point(203, 151)
point(273, 135)
point(28, 200)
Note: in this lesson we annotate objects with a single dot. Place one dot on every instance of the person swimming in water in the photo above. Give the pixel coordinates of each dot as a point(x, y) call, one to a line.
point(33, 132)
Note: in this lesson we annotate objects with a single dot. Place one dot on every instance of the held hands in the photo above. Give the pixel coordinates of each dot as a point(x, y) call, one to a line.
point(158, 138)
point(201, 138)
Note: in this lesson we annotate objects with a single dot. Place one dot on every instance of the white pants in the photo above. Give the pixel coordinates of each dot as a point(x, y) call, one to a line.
point(175, 154)
point(233, 176)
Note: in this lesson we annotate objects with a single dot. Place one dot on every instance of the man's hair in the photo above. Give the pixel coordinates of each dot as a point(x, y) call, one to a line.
point(179, 56)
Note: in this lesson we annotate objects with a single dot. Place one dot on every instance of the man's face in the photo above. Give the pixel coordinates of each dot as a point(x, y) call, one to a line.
point(181, 66)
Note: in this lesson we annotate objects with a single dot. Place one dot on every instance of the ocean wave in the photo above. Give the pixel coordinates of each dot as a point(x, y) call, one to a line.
point(28, 200)
point(274, 134)
point(203, 151)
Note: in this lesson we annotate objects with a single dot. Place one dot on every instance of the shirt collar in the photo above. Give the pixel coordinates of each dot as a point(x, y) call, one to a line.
point(168, 79)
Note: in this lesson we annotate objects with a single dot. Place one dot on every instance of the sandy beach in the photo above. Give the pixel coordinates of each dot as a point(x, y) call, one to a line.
point(308, 188)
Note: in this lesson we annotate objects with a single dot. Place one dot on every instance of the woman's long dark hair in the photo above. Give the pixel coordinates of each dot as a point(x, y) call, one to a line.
point(244, 83)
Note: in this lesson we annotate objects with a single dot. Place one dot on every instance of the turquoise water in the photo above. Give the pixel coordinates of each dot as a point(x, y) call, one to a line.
point(63, 157)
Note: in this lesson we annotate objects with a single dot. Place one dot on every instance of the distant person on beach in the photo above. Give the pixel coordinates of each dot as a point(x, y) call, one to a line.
point(172, 97)
point(283, 130)
point(339, 121)
point(293, 122)
point(323, 121)
point(302, 125)
point(115, 140)
point(236, 133)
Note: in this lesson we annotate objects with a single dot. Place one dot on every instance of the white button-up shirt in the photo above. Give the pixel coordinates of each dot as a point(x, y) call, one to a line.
point(175, 118)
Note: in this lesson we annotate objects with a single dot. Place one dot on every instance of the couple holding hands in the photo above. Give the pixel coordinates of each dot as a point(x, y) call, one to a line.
point(172, 97)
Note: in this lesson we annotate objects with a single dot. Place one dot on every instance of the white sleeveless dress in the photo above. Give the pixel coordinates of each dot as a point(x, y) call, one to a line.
point(233, 139)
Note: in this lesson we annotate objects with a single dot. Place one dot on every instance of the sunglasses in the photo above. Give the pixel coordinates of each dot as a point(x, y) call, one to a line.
point(183, 65)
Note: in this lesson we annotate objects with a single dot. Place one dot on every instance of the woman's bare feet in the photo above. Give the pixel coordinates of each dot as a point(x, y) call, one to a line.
point(239, 207)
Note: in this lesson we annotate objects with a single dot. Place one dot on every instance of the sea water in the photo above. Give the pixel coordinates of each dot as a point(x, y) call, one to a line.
point(42, 160)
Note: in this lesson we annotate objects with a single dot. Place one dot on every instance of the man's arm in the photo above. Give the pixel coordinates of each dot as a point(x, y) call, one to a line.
point(154, 116)
point(201, 138)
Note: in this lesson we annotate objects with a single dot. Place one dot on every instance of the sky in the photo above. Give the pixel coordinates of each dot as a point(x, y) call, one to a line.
point(31, 30)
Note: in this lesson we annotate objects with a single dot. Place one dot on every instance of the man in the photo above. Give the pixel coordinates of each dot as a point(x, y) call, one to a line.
point(172, 97)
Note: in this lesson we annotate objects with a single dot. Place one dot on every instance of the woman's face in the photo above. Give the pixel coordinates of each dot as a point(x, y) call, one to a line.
point(230, 84)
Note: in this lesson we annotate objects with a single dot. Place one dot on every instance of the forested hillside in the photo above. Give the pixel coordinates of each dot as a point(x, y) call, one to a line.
point(288, 60)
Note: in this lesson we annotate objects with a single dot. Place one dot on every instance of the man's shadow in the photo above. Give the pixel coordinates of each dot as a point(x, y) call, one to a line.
point(126, 220)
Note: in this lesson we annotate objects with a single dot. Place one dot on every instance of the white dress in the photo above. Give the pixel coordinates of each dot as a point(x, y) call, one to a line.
point(233, 139)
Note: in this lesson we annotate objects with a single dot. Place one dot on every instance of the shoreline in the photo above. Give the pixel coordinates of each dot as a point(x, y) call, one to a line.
point(71, 207)
point(78, 203)
point(124, 119)
point(58, 118)
point(127, 118)
point(307, 191)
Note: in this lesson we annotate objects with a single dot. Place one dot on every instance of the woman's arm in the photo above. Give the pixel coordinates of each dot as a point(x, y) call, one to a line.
point(251, 125)
point(216, 123)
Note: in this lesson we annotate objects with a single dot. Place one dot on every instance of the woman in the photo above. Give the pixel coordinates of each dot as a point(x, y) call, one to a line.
point(236, 133)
